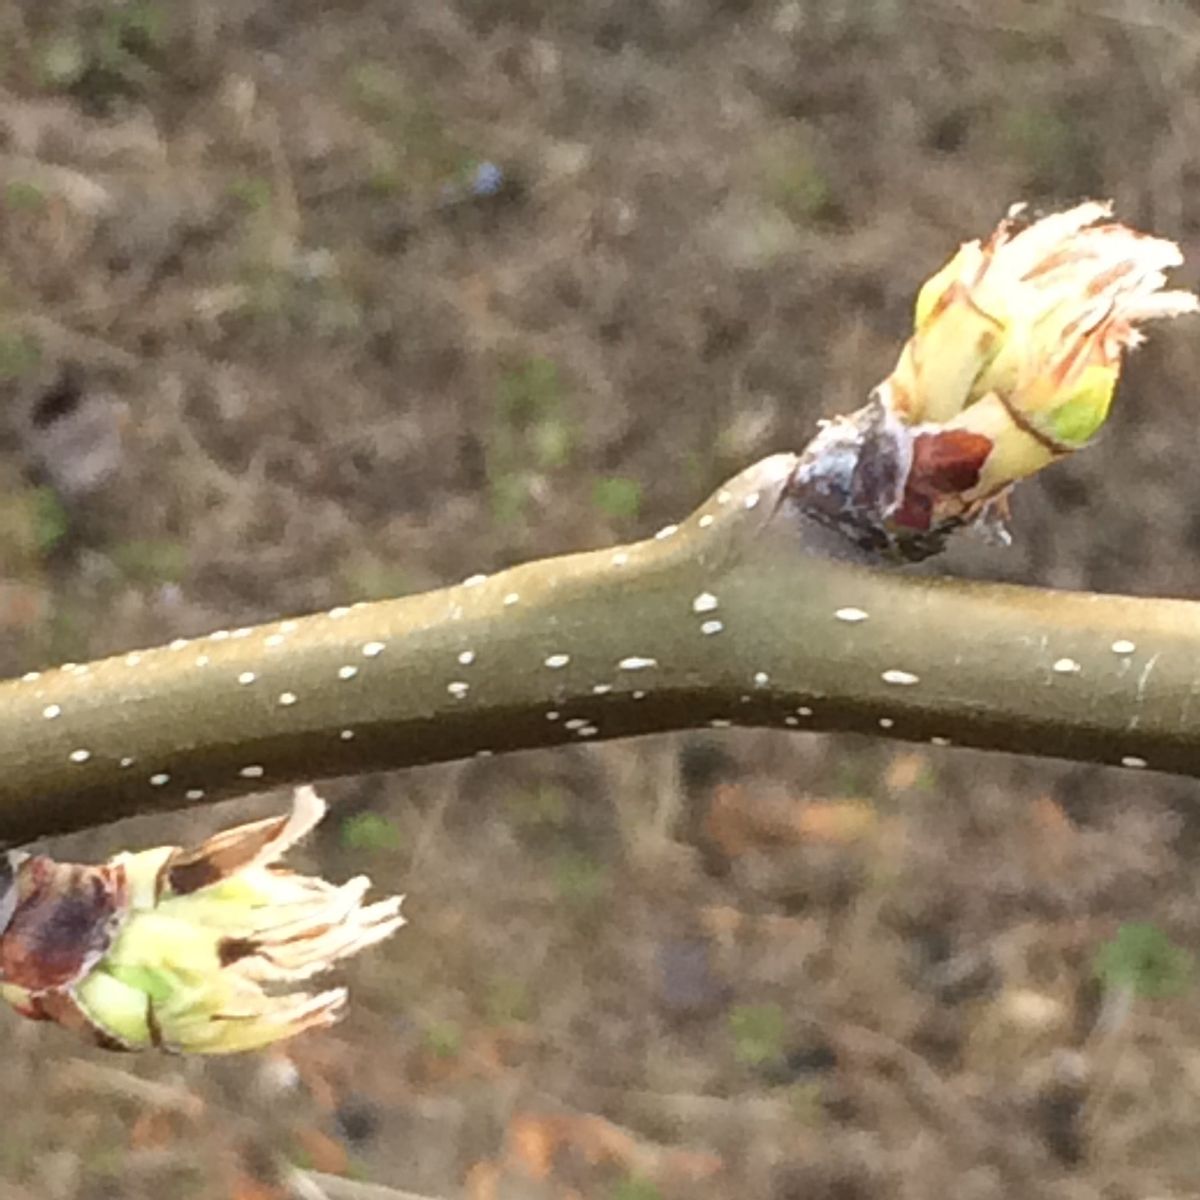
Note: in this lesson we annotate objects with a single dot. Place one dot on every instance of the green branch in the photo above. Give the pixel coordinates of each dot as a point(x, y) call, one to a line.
point(728, 619)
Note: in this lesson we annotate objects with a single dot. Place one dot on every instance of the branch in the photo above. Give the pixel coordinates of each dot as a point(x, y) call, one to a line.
point(728, 619)
point(1013, 364)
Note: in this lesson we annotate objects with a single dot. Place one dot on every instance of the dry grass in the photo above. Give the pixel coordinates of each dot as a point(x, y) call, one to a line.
point(262, 353)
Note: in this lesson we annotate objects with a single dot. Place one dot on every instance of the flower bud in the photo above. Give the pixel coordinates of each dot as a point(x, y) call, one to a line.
point(1012, 364)
point(189, 950)
point(1018, 343)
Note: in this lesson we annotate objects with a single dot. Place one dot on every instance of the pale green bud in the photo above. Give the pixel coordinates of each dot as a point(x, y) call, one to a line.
point(190, 950)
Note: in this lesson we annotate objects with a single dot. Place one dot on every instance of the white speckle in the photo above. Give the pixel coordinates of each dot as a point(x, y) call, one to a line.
point(575, 723)
point(1123, 646)
point(218, 635)
point(80, 756)
point(553, 715)
point(793, 721)
point(752, 500)
point(711, 627)
point(202, 660)
point(68, 667)
point(705, 602)
point(1066, 666)
point(557, 661)
point(246, 678)
point(637, 662)
point(511, 599)
point(51, 711)
point(587, 731)
point(805, 711)
point(30, 676)
point(743, 699)
point(639, 694)
point(244, 632)
point(705, 521)
point(761, 679)
point(886, 723)
point(473, 580)
point(288, 626)
point(458, 689)
point(251, 772)
point(337, 613)
point(347, 735)
point(274, 639)
point(620, 558)
point(456, 612)
point(601, 689)
point(851, 615)
point(720, 723)
point(132, 660)
point(467, 657)
point(665, 532)
point(287, 699)
point(178, 644)
point(372, 650)
point(80, 669)
point(127, 761)
point(160, 779)
point(347, 672)
point(940, 741)
point(900, 678)
point(1132, 760)
point(484, 753)
point(194, 793)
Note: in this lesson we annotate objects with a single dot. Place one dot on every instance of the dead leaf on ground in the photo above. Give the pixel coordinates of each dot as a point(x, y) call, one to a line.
point(740, 819)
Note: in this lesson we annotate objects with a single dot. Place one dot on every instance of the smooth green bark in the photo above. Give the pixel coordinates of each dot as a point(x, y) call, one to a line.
point(726, 620)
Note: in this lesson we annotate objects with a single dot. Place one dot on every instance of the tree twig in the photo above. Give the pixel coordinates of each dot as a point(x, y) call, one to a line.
point(728, 619)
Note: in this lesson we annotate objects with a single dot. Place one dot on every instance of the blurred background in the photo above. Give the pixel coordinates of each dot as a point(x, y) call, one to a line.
point(307, 302)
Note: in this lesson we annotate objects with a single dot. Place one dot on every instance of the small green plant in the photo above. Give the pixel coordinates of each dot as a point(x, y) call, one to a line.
point(1144, 960)
point(48, 519)
point(508, 1000)
point(793, 181)
point(20, 195)
point(530, 402)
point(544, 806)
point(110, 55)
point(618, 497)
point(33, 523)
point(368, 576)
point(532, 433)
point(151, 560)
point(370, 833)
point(19, 356)
point(252, 191)
point(1054, 148)
point(443, 1039)
point(807, 1103)
point(758, 1033)
point(422, 151)
point(580, 880)
point(636, 1187)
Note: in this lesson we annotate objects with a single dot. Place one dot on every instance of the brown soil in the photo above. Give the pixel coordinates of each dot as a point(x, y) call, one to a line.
point(264, 350)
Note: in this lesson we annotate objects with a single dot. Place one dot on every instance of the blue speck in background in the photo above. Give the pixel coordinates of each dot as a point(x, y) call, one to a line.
point(487, 180)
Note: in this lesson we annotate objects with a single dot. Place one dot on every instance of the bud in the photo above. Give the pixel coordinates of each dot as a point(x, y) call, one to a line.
point(188, 950)
point(1012, 364)
point(1019, 340)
